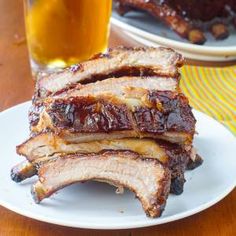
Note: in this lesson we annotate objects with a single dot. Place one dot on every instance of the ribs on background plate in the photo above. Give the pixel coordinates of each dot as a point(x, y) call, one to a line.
point(188, 18)
point(118, 118)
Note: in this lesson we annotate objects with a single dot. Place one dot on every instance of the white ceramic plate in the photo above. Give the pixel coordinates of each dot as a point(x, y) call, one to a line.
point(95, 205)
point(145, 26)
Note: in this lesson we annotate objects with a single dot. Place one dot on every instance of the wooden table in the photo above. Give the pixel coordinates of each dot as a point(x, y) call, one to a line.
point(16, 86)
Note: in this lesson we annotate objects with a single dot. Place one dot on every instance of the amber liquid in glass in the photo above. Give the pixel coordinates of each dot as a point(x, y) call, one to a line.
point(64, 32)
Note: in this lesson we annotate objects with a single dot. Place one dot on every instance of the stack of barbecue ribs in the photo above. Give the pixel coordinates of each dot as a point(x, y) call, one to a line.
point(118, 118)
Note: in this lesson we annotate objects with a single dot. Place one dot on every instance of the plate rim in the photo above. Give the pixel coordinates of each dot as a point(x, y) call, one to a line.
point(198, 49)
point(186, 54)
point(130, 225)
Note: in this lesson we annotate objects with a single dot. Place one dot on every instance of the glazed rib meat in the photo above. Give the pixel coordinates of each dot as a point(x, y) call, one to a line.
point(147, 178)
point(22, 171)
point(164, 12)
point(204, 10)
point(116, 63)
point(158, 114)
point(187, 18)
point(44, 145)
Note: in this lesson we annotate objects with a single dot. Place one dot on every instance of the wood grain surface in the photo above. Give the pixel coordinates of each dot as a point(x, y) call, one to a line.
point(16, 86)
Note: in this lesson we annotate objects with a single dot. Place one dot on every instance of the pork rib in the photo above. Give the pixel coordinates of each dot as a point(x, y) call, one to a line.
point(146, 177)
point(158, 114)
point(116, 63)
point(47, 144)
point(164, 12)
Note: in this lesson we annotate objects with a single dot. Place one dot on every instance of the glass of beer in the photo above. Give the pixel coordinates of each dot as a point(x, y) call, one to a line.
point(64, 32)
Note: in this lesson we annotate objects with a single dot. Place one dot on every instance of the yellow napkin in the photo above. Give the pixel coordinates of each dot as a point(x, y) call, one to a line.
point(212, 91)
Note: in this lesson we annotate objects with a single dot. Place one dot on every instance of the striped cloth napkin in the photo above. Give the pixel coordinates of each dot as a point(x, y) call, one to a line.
point(212, 91)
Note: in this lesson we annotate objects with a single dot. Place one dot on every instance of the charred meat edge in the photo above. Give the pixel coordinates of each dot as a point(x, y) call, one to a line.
point(22, 171)
point(187, 18)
